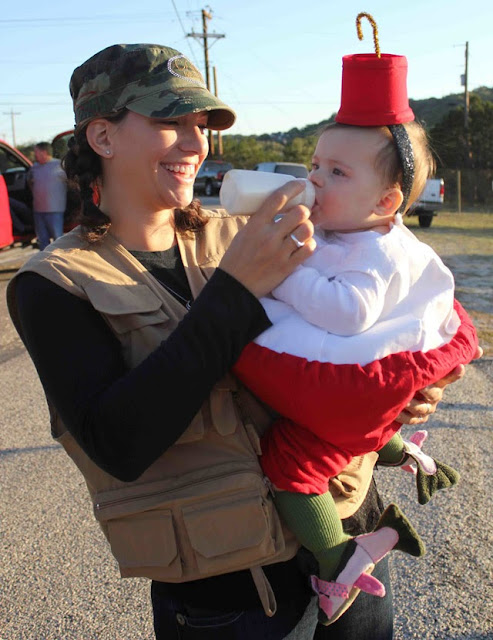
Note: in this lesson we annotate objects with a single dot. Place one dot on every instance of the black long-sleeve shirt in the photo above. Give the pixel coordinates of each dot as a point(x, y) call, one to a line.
point(125, 419)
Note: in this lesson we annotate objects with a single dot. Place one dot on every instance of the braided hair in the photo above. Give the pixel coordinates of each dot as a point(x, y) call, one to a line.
point(84, 170)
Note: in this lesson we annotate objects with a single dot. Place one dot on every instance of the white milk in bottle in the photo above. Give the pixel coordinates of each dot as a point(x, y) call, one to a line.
point(243, 192)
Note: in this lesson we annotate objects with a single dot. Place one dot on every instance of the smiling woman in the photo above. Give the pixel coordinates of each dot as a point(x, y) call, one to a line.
point(151, 299)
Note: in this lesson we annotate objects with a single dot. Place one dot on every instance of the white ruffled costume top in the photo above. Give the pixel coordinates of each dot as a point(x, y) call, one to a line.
point(362, 296)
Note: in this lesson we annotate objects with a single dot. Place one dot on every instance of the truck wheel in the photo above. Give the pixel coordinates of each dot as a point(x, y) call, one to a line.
point(208, 190)
point(425, 220)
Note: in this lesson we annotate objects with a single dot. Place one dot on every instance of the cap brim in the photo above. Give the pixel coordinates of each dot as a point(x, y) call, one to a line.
point(162, 104)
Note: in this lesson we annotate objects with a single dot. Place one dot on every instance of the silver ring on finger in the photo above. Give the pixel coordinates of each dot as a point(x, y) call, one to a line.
point(429, 408)
point(297, 242)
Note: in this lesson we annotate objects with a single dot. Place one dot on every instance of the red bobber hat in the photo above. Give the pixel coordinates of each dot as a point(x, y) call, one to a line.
point(374, 88)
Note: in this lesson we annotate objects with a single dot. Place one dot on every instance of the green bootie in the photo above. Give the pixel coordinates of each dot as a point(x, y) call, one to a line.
point(409, 539)
point(428, 485)
point(431, 474)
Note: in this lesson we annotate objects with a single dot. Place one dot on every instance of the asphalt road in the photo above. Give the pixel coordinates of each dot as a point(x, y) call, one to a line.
point(59, 582)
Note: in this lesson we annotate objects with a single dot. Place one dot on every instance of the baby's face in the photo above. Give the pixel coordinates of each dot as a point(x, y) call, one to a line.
point(347, 185)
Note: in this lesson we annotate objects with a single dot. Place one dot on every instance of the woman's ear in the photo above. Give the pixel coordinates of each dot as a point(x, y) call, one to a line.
point(390, 201)
point(98, 135)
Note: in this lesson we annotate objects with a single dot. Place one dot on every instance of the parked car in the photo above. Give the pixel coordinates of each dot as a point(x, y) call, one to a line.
point(429, 203)
point(290, 168)
point(14, 166)
point(210, 176)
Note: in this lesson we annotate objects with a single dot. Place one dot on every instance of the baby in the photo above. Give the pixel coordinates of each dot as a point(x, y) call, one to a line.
point(363, 324)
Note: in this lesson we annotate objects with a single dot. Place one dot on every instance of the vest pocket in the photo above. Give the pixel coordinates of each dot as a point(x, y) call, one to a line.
point(125, 323)
point(203, 527)
point(145, 540)
point(126, 307)
point(222, 532)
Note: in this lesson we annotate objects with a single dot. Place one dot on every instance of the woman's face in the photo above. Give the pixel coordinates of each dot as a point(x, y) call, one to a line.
point(155, 161)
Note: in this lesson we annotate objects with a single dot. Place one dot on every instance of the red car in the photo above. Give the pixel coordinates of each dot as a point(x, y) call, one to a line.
point(16, 223)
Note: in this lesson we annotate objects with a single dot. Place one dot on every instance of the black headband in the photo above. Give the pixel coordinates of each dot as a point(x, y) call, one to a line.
point(406, 157)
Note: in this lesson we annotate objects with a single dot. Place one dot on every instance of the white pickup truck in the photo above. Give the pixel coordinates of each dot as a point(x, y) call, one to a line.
point(429, 202)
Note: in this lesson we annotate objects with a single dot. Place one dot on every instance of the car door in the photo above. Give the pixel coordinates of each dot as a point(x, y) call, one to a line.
point(13, 184)
point(14, 167)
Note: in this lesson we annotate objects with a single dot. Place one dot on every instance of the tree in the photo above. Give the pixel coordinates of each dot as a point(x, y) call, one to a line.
point(449, 141)
point(481, 135)
point(244, 152)
point(27, 149)
point(300, 150)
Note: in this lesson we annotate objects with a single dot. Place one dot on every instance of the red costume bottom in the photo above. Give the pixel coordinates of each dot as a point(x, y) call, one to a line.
point(332, 413)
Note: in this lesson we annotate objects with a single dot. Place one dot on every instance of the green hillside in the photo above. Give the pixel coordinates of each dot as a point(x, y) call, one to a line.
point(429, 112)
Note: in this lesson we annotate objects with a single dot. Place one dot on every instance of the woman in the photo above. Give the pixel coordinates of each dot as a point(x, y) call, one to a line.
point(150, 302)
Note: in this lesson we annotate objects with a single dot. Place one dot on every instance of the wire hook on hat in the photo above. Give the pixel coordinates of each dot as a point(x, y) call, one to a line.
point(359, 30)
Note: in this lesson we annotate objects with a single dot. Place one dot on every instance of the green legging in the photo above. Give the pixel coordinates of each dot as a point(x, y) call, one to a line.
point(314, 519)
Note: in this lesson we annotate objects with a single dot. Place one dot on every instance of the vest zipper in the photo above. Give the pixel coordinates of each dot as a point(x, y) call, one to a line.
point(99, 506)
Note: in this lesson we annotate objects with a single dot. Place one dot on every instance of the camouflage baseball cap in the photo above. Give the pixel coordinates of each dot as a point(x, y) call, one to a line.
point(148, 79)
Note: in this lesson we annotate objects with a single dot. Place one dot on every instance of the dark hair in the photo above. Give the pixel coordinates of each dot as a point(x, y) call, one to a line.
point(387, 160)
point(44, 146)
point(84, 171)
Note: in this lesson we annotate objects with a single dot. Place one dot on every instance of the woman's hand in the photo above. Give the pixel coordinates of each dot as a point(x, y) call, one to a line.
point(264, 252)
point(425, 402)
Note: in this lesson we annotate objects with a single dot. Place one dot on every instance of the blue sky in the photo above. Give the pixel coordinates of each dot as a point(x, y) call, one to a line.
point(279, 65)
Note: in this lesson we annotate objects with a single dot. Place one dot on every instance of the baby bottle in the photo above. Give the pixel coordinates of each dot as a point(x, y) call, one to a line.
point(243, 192)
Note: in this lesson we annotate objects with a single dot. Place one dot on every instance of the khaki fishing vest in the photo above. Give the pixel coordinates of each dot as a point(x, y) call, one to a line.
point(203, 508)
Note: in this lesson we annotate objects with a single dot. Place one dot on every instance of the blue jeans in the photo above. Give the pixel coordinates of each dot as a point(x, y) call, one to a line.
point(174, 620)
point(48, 226)
point(369, 618)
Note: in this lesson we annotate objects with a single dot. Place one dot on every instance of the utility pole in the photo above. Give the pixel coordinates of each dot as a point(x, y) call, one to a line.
point(466, 92)
point(12, 113)
point(466, 109)
point(204, 36)
point(219, 138)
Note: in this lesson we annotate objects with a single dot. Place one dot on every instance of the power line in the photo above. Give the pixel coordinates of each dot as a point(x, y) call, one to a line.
point(119, 17)
point(38, 62)
point(204, 36)
point(12, 114)
point(259, 102)
point(206, 15)
point(34, 95)
point(184, 31)
point(277, 102)
point(35, 104)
